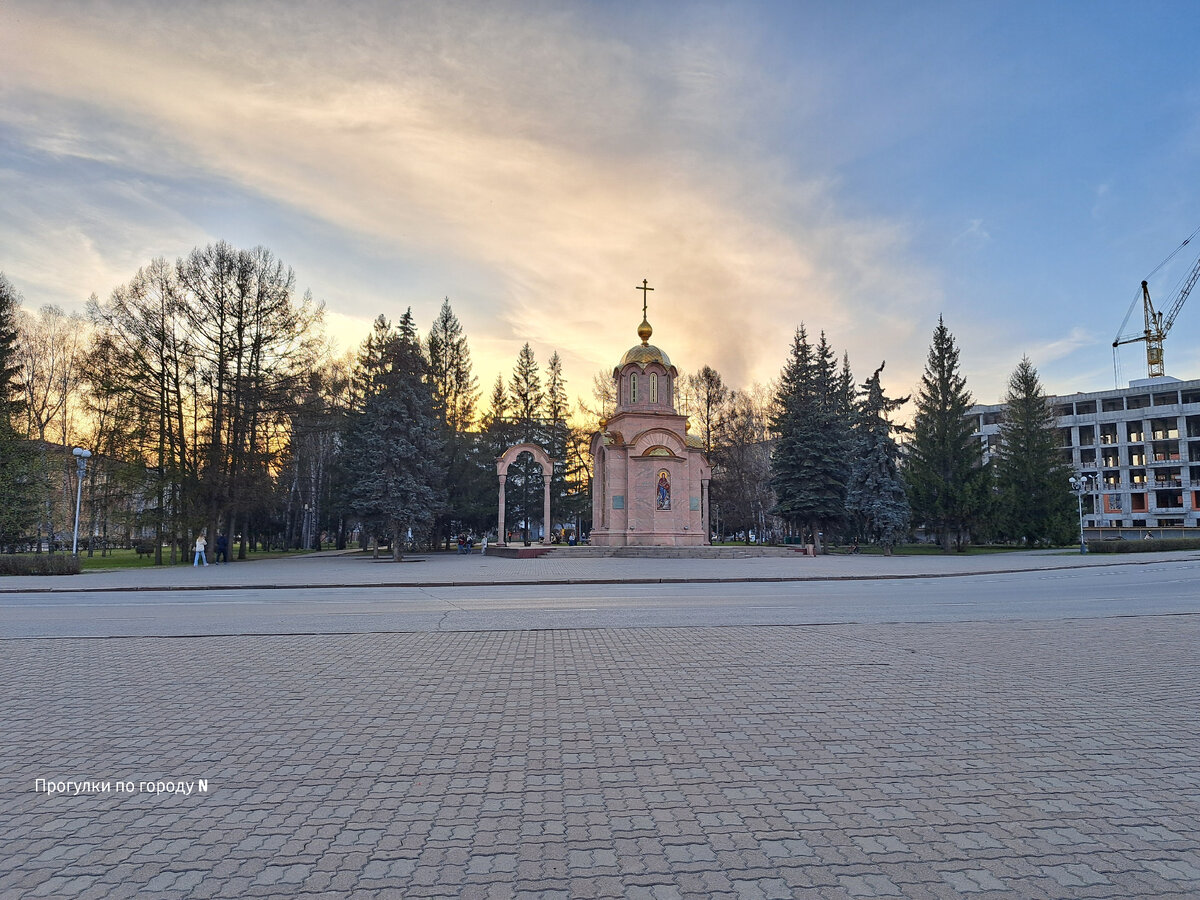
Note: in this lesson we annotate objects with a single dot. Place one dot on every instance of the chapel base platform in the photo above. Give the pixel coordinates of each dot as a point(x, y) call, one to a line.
point(558, 551)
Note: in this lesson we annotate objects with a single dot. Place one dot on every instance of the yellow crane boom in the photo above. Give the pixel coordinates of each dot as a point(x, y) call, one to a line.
point(1156, 324)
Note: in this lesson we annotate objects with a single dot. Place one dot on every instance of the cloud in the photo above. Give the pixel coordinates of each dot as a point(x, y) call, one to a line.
point(974, 235)
point(557, 162)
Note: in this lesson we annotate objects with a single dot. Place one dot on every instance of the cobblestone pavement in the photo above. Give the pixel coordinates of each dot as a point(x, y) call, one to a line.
point(1048, 759)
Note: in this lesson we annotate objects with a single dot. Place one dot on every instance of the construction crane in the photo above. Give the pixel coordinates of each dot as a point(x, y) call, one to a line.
point(1156, 322)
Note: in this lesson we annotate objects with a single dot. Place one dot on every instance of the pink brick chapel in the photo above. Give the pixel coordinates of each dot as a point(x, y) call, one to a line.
point(651, 477)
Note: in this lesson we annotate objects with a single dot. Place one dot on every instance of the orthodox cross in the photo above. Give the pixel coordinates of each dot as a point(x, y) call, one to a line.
point(644, 289)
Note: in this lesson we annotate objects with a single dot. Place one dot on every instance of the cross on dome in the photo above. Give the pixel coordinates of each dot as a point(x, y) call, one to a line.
point(644, 330)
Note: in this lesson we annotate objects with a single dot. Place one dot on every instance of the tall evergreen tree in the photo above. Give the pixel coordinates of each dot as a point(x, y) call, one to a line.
point(369, 364)
point(557, 440)
point(809, 463)
point(557, 403)
point(10, 305)
point(527, 397)
point(18, 497)
point(455, 387)
point(470, 487)
point(1032, 478)
point(947, 484)
point(876, 491)
point(394, 443)
point(526, 393)
point(496, 424)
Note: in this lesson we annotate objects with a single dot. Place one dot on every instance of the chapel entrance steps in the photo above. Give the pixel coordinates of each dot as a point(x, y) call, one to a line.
point(559, 552)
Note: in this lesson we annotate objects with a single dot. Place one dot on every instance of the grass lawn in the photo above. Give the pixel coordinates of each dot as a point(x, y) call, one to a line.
point(935, 550)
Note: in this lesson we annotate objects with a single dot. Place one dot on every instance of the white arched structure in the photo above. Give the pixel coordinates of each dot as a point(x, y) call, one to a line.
point(541, 458)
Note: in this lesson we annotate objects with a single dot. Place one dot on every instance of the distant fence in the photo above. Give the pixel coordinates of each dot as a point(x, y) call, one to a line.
point(1168, 533)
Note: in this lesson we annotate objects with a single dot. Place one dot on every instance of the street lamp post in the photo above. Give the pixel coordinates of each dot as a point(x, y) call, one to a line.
point(1079, 486)
point(81, 458)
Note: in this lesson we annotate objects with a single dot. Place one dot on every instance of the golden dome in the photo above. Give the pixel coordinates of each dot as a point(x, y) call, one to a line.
point(644, 354)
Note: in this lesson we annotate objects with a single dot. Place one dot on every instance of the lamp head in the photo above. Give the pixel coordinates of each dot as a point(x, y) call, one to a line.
point(81, 453)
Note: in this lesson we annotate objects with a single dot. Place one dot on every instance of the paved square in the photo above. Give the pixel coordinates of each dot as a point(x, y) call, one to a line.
point(1050, 759)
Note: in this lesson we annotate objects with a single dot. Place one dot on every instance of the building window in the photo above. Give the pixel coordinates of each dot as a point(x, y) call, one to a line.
point(1165, 429)
point(653, 388)
point(633, 388)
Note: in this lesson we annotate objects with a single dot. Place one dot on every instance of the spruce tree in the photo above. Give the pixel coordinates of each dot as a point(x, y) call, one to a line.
point(557, 403)
point(456, 395)
point(1032, 478)
point(876, 491)
point(526, 394)
point(10, 302)
point(394, 443)
point(809, 463)
point(369, 364)
point(557, 437)
point(527, 397)
point(947, 484)
point(18, 482)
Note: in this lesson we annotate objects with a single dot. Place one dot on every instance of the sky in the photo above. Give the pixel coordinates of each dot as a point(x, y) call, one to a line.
point(862, 168)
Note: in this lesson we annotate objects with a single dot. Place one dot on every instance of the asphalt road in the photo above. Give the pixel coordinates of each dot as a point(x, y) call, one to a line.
point(1153, 589)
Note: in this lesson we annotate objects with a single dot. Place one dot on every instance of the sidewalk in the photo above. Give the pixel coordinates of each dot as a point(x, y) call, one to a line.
point(349, 569)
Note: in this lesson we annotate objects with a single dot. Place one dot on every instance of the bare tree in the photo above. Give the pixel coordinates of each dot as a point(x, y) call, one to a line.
point(710, 397)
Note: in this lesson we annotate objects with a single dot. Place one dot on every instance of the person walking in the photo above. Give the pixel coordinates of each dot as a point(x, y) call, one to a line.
point(222, 554)
point(201, 543)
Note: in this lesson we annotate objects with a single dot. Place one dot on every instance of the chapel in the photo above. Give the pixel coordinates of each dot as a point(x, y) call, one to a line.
point(651, 478)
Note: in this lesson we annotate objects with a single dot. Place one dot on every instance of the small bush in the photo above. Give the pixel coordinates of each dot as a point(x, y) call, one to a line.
point(39, 564)
point(1154, 545)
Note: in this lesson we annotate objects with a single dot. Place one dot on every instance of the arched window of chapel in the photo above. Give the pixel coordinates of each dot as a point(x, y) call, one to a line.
point(653, 387)
point(633, 386)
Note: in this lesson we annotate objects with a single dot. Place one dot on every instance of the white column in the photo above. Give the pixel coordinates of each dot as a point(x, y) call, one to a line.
point(547, 472)
point(501, 536)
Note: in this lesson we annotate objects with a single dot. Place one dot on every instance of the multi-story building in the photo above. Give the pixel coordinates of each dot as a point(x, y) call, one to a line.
point(1137, 450)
